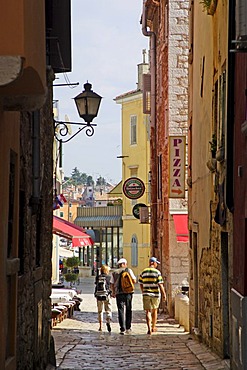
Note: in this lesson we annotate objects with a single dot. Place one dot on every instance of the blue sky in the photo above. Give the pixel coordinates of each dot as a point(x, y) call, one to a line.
point(107, 45)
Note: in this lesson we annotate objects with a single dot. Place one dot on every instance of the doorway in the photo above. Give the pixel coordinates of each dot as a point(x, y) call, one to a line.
point(225, 293)
point(195, 278)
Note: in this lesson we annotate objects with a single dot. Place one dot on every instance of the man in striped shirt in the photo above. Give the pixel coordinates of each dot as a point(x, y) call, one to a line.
point(152, 286)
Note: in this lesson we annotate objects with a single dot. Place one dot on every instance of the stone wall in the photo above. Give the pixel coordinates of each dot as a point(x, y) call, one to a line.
point(178, 66)
point(35, 251)
point(171, 28)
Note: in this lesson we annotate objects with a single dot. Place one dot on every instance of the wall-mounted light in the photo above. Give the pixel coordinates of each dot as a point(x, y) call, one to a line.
point(87, 103)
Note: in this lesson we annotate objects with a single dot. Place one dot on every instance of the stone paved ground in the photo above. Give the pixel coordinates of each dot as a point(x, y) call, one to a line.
point(79, 344)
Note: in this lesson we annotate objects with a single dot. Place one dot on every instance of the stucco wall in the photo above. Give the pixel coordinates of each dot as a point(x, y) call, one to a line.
point(210, 241)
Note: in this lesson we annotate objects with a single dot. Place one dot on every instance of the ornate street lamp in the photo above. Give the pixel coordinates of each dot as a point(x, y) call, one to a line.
point(87, 103)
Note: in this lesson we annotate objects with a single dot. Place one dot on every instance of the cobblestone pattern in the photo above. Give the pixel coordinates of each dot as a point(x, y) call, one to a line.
point(79, 345)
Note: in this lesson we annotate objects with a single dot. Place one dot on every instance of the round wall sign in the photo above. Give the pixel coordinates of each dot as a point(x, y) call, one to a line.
point(133, 188)
point(136, 209)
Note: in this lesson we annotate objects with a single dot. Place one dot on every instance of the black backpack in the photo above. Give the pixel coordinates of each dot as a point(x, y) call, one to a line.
point(102, 289)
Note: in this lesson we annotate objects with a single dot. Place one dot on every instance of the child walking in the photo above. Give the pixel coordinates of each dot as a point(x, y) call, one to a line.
point(103, 296)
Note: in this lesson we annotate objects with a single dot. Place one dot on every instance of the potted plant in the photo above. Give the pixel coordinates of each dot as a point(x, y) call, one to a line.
point(71, 263)
point(71, 278)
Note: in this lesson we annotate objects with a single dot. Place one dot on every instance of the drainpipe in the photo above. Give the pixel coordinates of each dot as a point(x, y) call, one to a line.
point(35, 198)
point(153, 154)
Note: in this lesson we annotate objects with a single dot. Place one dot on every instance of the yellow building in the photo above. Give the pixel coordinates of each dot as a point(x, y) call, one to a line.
point(69, 210)
point(135, 163)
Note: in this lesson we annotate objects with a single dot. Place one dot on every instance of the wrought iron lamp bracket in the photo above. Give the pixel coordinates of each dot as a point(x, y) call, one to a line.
point(62, 134)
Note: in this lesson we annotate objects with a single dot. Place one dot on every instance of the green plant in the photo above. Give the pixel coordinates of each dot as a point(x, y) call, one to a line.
point(206, 4)
point(71, 277)
point(72, 262)
point(209, 6)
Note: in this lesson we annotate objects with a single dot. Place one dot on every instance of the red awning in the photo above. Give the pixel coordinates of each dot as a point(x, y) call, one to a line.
point(72, 232)
point(181, 227)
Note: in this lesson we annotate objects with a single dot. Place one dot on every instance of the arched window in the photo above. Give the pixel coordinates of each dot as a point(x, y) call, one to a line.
point(134, 251)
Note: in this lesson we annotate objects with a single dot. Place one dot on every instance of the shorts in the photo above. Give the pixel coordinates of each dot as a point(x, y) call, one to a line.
point(150, 303)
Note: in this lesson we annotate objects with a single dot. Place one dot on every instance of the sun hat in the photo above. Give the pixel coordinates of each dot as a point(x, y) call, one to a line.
point(122, 260)
point(154, 259)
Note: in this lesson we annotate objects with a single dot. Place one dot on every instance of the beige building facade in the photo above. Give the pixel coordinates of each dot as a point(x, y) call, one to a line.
point(26, 171)
point(210, 221)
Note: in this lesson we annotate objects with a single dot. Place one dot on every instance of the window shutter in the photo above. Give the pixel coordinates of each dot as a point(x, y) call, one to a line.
point(146, 93)
point(133, 136)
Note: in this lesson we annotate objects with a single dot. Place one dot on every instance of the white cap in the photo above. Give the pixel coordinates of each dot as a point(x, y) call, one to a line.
point(122, 260)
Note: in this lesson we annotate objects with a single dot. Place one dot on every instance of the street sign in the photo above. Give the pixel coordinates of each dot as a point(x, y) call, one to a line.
point(133, 188)
point(136, 209)
point(177, 150)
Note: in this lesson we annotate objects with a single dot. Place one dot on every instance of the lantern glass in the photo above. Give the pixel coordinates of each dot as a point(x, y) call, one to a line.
point(88, 103)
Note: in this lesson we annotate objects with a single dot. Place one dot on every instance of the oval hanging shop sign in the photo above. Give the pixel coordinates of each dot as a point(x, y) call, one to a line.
point(133, 188)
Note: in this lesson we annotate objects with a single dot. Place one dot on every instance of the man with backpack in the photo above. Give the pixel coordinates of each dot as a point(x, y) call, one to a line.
point(103, 295)
point(122, 286)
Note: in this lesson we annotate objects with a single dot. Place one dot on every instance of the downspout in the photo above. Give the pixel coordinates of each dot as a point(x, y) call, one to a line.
point(153, 155)
point(230, 111)
point(35, 198)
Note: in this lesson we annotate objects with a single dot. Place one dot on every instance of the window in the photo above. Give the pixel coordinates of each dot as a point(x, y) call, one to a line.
point(133, 135)
point(133, 171)
point(222, 111)
point(12, 205)
point(61, 214)
point(146, 93)
point(134, 251)
point(219, 118)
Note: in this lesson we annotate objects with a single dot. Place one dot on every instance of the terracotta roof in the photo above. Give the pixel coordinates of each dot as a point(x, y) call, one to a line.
point(127, 94)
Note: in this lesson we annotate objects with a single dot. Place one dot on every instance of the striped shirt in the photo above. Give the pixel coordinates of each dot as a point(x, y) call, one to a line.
point(150, 278)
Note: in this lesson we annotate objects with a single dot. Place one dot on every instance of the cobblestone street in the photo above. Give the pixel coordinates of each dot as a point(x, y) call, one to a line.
point(79, 344)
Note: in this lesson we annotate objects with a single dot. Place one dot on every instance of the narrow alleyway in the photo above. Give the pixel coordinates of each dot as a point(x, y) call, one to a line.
point(79, 344)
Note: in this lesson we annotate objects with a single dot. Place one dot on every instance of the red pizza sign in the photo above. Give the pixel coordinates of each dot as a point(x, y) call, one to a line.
point(177, 152)
point(133, 188)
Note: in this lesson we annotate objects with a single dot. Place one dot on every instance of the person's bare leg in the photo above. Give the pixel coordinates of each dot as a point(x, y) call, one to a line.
point(148, 320)
point(154, 319)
